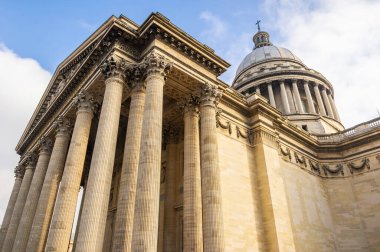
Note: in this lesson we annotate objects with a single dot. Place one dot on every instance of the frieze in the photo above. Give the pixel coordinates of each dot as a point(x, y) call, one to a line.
point(219, 123)
point(247, 135)
point(315, 167)
point(364, 163)
point(286, 153)
point(328, 170)
point(300, 159)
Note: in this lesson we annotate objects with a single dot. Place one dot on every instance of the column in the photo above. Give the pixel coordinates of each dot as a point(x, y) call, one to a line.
point(41, 222)
point(30, 207)
point(297, 97)
point(333, 106)
point(64, 210)
point(290, 99)
point(257, 90)
point(284, 97)
point(95, 205)
point(192, 197)
point(19, 173)
point(122, 238)
point(271, 96)
point(213, 233)
point(327, 103)
point(170, 225)
point(145, 226)
point(310, 103)
point(20, 202)
point(322, 110)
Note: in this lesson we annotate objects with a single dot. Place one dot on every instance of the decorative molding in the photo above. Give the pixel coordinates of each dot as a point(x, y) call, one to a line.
point(300, 159)
point(286, 152)
point(192, 53)
point(338, 168)
point(364, 163)
point(247, 135)
point(315, 167)
point(226, 125)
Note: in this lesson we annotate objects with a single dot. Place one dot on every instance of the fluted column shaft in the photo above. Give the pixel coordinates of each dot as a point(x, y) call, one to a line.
point(213, 233)
point(289, 94)
point(30, 207)
point(122, 239)
point(19, 206)
point(322, 110)
point(19, 173)
point(297, 97)
point(41, 222)
point(145, 226)
point(271, 95)
point(170, 190)
point(284, 97)
point(95, 205)
point(333, 106)
point(310, 104)
point(327, 103)
point(64, 212)
point(192, 197)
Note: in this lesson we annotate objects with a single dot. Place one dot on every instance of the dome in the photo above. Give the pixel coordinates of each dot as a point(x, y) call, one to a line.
point(263, 53)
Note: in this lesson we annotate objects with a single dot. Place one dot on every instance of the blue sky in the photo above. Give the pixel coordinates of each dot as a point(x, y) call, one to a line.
point(339, 38)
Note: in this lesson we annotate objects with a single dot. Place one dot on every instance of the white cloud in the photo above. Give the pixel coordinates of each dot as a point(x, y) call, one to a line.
point(22, 83)
point(215, 26)
point(340, 39)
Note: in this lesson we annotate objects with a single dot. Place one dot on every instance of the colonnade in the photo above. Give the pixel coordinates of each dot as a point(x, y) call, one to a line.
point(291, 98)
point(41, 209)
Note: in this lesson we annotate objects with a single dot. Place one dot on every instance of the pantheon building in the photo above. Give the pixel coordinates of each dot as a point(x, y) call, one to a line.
point(171, 158)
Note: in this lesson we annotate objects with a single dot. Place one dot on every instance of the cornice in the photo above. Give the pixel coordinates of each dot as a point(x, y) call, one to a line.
point(159, 27)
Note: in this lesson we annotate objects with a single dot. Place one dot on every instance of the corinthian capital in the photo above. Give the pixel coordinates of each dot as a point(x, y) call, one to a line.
point(136, 75)
point(19, 171)
point(171, 133)
point(209, 94)
point(189, 104)
point(63, 126)
point(157, 64)
point(31, 160)
point(85, 102)
point(46, 144)
point(114, 67)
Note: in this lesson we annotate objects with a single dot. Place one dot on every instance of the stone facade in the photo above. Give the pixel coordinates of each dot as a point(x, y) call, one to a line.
point(170, 158)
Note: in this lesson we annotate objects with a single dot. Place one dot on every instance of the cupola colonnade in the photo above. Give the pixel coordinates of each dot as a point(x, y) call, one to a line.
point(296, 96)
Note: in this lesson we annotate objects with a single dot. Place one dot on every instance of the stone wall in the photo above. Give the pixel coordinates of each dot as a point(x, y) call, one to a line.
point(241, 216)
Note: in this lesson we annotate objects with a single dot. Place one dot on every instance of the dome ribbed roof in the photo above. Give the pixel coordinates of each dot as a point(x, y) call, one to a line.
point(265, 53)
